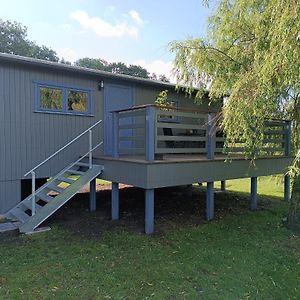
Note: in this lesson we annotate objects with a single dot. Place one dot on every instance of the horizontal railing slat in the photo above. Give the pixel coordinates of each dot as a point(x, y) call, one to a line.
point(274, 132)
point(275, 123)
point(274, 141)
point(163, 113)
point(272, 149)
point(180, 138)
point(180, 150)
point(180, 126)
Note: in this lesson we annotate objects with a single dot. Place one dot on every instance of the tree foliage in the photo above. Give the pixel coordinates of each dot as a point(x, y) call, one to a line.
point(13, 40)
point(118, 68)
point(252, 55)
point(114, 67)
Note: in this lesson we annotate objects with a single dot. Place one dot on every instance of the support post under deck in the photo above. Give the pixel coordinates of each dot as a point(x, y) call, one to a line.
point(93, 195)
point(253, 201)
point(149, 211)
point(210, 201)
point(115, 201)
point(223, 185)
point(287, 185)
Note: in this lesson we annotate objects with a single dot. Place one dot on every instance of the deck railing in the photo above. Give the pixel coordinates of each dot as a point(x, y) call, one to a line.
point(153, 131)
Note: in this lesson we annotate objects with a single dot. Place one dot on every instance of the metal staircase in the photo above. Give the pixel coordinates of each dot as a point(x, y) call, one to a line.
point(43, 202)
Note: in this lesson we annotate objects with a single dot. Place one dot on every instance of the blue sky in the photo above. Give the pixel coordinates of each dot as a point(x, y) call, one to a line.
point(130, 31)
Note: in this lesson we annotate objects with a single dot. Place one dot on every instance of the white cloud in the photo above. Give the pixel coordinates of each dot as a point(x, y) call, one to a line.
point(103, 28)
point(136, 17)
point(159, 67)
point(68, 54)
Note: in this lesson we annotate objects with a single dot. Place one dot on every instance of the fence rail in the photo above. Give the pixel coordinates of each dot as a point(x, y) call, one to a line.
point(152, 131)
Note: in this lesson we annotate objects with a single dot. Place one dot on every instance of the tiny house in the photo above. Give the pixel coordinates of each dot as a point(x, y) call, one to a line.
point(59, 121)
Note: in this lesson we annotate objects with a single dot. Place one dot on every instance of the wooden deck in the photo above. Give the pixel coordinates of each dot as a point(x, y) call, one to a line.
point(156, 147)
point(174, 170)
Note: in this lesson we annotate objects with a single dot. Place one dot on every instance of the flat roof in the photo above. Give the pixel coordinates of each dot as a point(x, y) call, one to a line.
point(4, 57)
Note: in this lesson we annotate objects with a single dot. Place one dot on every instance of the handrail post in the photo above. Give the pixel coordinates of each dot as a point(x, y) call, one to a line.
point(210, 133)
point(150, 133)
point(287, 138)
point(32, 193)
point(90, 148)
point(287, 152)
point(115, 134)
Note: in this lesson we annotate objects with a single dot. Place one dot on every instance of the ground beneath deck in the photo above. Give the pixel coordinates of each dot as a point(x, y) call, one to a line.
point(175, 207)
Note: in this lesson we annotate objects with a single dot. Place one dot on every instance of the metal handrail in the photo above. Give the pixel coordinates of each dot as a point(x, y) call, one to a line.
point(62, 148)
point(91, 149)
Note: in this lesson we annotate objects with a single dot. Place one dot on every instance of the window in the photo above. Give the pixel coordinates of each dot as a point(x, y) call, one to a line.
point(55, 98)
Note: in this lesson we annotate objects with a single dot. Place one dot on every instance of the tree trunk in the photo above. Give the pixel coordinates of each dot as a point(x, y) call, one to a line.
point(294, 208)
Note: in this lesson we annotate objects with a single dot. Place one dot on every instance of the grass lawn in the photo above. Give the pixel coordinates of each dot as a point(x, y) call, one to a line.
point(239, 255)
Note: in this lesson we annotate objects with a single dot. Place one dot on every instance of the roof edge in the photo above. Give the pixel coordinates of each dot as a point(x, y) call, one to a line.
point(80, 70)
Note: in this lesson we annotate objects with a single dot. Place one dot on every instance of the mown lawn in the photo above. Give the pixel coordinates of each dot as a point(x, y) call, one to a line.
point(240, 255)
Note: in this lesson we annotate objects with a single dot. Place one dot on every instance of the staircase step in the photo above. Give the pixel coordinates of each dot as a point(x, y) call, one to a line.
point(81, 164)
point(65, 179)
point(28, 205)
point(46, 198)
point(60, 200)
point(9, 226)
point(20, 214)
point(72, 171)
point(55, 188)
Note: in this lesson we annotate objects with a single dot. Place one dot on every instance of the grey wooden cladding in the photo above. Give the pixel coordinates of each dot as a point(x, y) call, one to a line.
point(26, 137)
point(163, 173)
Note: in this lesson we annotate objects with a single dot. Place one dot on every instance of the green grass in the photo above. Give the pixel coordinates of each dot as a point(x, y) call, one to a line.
point(268, 186)
point(245, 255)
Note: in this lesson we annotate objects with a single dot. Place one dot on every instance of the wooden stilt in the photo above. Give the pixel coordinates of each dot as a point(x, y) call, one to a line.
point(149, 211)
point(210, 201)
point(115, 201)
point(93, 195)
point(287, 186)
point(253, 202)
point(223, 185)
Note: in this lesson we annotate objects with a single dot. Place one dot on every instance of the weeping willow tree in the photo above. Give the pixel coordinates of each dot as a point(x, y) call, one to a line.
point(252, 55)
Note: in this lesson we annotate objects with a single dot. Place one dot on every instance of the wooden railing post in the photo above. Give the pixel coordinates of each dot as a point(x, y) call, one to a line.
point(150, 133)
point(211, 136)
point(287, 138)
point(287, 152)
point(115, 134)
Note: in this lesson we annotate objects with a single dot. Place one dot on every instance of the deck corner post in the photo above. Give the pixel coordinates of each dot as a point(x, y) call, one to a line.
point(210, 207)
point(287, 187)
point(115, 201)
point(287, 138)
point(253, 200)
point(115, 134)
point(149, 211)
point(223, 185)
point(150, 133)
point(93, 195)
point(211, 136)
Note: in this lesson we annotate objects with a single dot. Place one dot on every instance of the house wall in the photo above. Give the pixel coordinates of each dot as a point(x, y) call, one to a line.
point(28, 137)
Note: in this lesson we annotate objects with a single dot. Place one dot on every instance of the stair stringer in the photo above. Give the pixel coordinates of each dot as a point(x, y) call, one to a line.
point(46, 211)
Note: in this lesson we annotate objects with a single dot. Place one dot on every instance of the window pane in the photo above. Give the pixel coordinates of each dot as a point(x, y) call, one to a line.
point(50, 98)
point(78, 101)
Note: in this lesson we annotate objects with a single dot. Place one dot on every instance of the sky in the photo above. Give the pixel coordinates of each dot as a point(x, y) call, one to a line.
point(130, 31)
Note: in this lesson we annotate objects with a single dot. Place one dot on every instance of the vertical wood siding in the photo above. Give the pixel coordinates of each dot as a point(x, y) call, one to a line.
point(26, 137)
